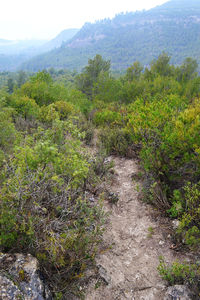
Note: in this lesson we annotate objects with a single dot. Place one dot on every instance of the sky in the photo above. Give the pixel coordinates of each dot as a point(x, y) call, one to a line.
point(44, 19)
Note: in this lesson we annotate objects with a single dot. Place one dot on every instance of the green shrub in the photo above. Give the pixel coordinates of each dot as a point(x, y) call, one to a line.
point(115, 141)
point(107, 117)
point(177, 204)
point(7, 130)
point(168, 132)
point(44, 205)
point(24, 106)
point(87, 128)
point(65, 109)
point(79, 100)
point(180, 273)
point(189, 227)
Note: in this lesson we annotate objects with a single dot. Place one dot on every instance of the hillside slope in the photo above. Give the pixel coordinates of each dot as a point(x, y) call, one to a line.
point(172, 27)
point(61, 38)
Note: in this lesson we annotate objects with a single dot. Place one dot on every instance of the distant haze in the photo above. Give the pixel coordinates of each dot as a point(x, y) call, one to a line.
point(44, 19)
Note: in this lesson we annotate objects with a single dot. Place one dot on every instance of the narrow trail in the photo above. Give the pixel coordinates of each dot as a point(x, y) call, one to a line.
point(132, 243)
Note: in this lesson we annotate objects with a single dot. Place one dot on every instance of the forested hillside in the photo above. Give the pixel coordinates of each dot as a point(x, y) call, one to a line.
point(172, 27)
point(50, 180)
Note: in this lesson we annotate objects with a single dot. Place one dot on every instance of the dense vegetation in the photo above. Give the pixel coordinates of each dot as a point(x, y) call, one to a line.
point(48, 175)
point(172, 27)
point(47, 178)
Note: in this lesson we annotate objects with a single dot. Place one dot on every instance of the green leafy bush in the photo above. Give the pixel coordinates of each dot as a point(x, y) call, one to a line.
point(115, 141)
point(189, 227)
point(44, 205)
point(167, 130)
point(107, 117)
point(7, 130)
point(24, 106)
point(181, 273)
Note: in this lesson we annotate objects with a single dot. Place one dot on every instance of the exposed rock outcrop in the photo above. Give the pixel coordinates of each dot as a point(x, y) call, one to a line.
point(19, 278)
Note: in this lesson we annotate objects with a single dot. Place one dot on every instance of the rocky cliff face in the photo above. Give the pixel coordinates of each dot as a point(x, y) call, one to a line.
point(19, 278)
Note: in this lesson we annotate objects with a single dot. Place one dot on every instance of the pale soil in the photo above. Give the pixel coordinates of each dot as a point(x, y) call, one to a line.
point(130, 254)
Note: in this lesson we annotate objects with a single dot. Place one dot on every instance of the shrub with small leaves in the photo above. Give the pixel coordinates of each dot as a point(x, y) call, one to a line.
point(181, 273)
point(189, 228)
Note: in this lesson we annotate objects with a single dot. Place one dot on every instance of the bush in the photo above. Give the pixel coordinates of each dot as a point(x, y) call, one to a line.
point(65, 109)
point(45, 211)
point(24, 106)
point(181, 273)
point(59, 110)
point(7, 130)
point(79, 100)
point(87, 128)
point(189, 228)
point(107, 117)
point(115, 141)
point(168, 132)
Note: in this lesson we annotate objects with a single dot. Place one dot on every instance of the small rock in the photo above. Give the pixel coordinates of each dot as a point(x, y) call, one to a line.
point(91, 199)
point(104, 274)
point(161, 243)
point(175, 224)
point(113, 197)
point(178, 292)
point(107, 160)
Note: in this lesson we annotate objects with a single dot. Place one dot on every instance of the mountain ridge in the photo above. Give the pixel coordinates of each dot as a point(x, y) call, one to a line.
point(62, 37)
point(172, 27)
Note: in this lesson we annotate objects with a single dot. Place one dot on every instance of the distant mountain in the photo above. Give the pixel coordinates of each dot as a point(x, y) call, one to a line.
point(61, 38)
point(173, 27)
point(8, 47)
point(14, 53)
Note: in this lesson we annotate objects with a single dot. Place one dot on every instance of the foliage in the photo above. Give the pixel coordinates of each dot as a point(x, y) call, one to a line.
point(107, 117)
point(168, 131)
point(115, 141)
point(180, 273)
point(24, 106)
point(107, 88)
point(44, 172)
point(189, 227)
point(78, 99)
point(161, 65)
point(59, 110)
point(134, 71)
point(47, 175)
point(7, 130)
point(44, 207)
point(90, 74)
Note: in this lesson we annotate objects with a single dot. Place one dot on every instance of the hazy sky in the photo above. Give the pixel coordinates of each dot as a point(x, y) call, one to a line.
point(44, 19)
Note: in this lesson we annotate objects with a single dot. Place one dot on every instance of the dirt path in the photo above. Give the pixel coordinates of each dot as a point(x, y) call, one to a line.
point(129, 268)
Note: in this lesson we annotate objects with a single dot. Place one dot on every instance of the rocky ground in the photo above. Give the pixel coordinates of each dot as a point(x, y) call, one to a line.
point(20, 280)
